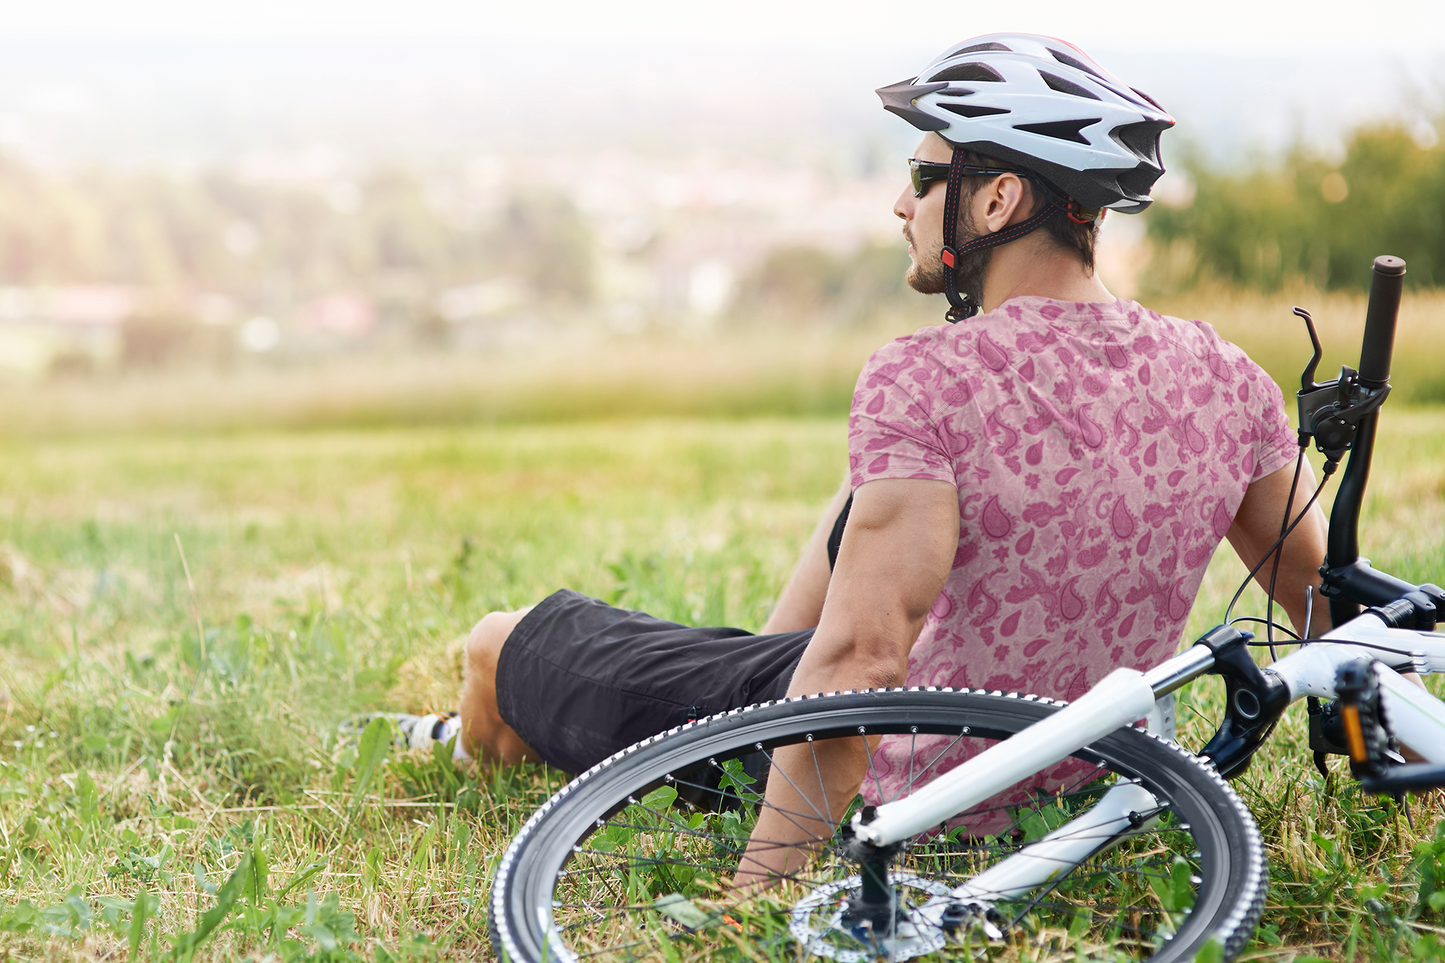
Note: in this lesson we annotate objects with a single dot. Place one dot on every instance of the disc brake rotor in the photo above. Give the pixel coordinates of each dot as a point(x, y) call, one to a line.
point(817, 922)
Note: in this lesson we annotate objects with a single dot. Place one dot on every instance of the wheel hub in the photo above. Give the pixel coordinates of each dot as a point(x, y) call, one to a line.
point(823, 926)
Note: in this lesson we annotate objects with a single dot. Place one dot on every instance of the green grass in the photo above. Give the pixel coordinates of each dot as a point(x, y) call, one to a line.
point(168, 742)
point(332, 573)
point(798, 368)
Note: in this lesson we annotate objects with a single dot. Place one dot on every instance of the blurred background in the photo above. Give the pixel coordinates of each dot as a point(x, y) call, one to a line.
point(308, 213)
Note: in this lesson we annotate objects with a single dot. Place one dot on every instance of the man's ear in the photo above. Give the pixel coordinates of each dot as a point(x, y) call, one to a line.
point(1005, 197)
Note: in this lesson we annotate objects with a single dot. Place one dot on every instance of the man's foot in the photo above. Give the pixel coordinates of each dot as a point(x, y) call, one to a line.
point(409, 731)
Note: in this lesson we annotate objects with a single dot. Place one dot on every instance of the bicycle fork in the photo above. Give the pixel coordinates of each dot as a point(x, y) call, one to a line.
point(1123, 697)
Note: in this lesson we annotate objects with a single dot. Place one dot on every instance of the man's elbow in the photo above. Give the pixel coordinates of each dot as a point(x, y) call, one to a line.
point(866, 663)
point(882, 675)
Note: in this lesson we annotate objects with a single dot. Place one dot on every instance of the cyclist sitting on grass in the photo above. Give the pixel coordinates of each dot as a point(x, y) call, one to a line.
point(1037, 488)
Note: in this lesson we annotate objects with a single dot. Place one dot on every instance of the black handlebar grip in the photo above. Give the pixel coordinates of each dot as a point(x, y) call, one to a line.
point(1379, 345)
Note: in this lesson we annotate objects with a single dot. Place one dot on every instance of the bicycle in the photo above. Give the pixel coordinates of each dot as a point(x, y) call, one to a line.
point(1146, 853)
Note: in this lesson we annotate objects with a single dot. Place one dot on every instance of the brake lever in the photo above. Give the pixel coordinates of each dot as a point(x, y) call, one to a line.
point(1329, 412)
point(1307, 380)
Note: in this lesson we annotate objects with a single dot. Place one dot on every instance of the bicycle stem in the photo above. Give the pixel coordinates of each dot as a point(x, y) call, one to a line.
point(1415, 716)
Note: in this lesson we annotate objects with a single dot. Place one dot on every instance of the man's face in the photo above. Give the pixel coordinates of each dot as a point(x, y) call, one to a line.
point(923, 229)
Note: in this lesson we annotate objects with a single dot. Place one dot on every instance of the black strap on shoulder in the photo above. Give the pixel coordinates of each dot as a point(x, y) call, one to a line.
point(835, 540)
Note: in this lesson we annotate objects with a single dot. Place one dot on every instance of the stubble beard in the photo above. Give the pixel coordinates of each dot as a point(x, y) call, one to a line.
point(926, 274)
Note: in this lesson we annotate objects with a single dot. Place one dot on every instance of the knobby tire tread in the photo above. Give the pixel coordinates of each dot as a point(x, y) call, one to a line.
point(522, 875)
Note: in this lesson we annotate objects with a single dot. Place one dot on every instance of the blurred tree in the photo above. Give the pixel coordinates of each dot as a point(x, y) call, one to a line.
point(873, 280)
point(217, 232)
point(152, 341)
point(542, 239)
point(796, 280)
point(157, 339)
point(798, 284)
point(1307, 219)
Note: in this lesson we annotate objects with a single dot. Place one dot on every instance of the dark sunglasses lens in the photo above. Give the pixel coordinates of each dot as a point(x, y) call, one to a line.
point(923, 173)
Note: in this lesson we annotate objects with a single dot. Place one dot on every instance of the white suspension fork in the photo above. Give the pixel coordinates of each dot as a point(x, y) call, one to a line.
point(1124, 696)
point(1124, 809)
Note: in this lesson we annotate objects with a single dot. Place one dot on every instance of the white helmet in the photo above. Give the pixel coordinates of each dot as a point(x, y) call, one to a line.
point(1047, 106)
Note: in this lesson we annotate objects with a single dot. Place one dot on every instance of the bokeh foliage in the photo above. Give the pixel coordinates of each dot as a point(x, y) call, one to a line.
point(796, 283)
point(267, 242)
point(1306, 219)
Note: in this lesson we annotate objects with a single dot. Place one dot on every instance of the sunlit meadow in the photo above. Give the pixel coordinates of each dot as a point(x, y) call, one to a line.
point(197, 584)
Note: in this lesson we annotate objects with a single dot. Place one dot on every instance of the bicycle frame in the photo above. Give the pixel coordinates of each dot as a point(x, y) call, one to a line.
point(1126, 695)
point(1341, 415)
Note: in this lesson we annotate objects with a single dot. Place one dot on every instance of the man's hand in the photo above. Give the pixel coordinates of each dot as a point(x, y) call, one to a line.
point(896, 554)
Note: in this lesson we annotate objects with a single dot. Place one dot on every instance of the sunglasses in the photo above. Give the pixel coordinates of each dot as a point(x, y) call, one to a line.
point(924, 173)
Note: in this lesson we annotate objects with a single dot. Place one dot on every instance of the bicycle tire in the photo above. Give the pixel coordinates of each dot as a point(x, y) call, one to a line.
point(1207, 830)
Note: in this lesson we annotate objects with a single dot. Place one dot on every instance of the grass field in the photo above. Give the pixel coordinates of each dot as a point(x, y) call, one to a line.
point(806, 369)
point(186, 615)
point(332, 573)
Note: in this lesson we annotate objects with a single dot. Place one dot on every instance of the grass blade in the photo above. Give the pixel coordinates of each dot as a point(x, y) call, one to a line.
point(216, 915)
point(370, 754)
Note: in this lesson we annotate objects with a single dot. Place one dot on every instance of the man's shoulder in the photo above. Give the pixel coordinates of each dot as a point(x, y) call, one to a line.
point(906, 351)
point(1201, 335)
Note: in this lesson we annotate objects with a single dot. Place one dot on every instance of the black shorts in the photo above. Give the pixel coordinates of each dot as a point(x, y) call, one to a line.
point(579, 680)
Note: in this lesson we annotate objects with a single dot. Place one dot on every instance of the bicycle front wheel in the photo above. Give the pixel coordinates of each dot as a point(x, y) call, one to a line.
point(632, 859)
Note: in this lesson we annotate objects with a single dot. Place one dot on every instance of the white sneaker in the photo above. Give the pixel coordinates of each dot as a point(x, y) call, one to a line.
point(409, 731)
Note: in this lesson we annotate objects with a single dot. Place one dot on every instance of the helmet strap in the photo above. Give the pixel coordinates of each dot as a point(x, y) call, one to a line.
point(961, 306)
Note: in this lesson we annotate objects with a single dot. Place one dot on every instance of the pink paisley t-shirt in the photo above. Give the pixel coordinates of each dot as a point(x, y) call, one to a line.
point(1100, 453)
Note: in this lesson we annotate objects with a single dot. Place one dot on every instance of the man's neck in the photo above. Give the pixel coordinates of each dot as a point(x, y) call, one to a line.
point(1033, 266)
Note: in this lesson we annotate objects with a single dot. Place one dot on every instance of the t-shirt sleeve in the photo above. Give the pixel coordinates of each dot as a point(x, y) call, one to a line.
point(1276, 443)
point(891, 429)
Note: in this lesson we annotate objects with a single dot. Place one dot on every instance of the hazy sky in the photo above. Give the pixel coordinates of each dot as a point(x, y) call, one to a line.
point(1221, 26)
point(138, 81)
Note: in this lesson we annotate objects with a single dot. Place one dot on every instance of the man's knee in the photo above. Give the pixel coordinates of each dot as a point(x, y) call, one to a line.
point(485, 642)
point(484, 645)
point(485, 734)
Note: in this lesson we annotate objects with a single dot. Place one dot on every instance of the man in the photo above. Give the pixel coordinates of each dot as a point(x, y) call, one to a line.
point(1036, 489)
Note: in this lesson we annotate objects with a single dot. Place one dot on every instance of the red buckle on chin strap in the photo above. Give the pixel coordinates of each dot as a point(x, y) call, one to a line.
point(948, 256)
point(1080, 214)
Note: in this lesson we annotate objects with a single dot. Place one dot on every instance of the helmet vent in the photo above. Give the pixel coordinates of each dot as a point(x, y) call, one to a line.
point(1061, 129)
point(1137, 182)
point(977, 48)
point(1074, 62)
point(1067, 86)
point(1142, 139)
point(976, 73)
point(972, 110)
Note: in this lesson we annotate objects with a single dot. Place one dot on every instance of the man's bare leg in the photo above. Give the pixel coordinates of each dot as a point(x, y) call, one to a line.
point(484, 735)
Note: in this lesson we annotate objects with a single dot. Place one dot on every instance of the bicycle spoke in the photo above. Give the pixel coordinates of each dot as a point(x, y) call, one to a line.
point(650, 878)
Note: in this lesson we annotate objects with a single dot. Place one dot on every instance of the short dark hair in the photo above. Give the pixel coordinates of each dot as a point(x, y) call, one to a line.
point(1065, 232)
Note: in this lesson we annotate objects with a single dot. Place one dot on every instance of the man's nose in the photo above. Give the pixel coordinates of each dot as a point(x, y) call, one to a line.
point(904, 206)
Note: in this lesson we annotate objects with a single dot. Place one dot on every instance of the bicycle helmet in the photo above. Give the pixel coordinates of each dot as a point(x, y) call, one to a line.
point(1046, 106)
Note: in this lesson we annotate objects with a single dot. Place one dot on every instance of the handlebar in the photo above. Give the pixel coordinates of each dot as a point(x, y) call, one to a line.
point(1379, 343)
point(1342, 558)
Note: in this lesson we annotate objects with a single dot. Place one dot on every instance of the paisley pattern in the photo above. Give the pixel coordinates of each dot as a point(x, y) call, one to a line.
point(1100, 453)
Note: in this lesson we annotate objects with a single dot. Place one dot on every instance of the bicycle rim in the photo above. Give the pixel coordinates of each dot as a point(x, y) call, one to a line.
point(620, 866)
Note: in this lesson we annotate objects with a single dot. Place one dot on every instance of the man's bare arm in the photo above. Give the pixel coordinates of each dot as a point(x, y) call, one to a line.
point(801, 604)
point(896, 554)
point(1256, 527)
